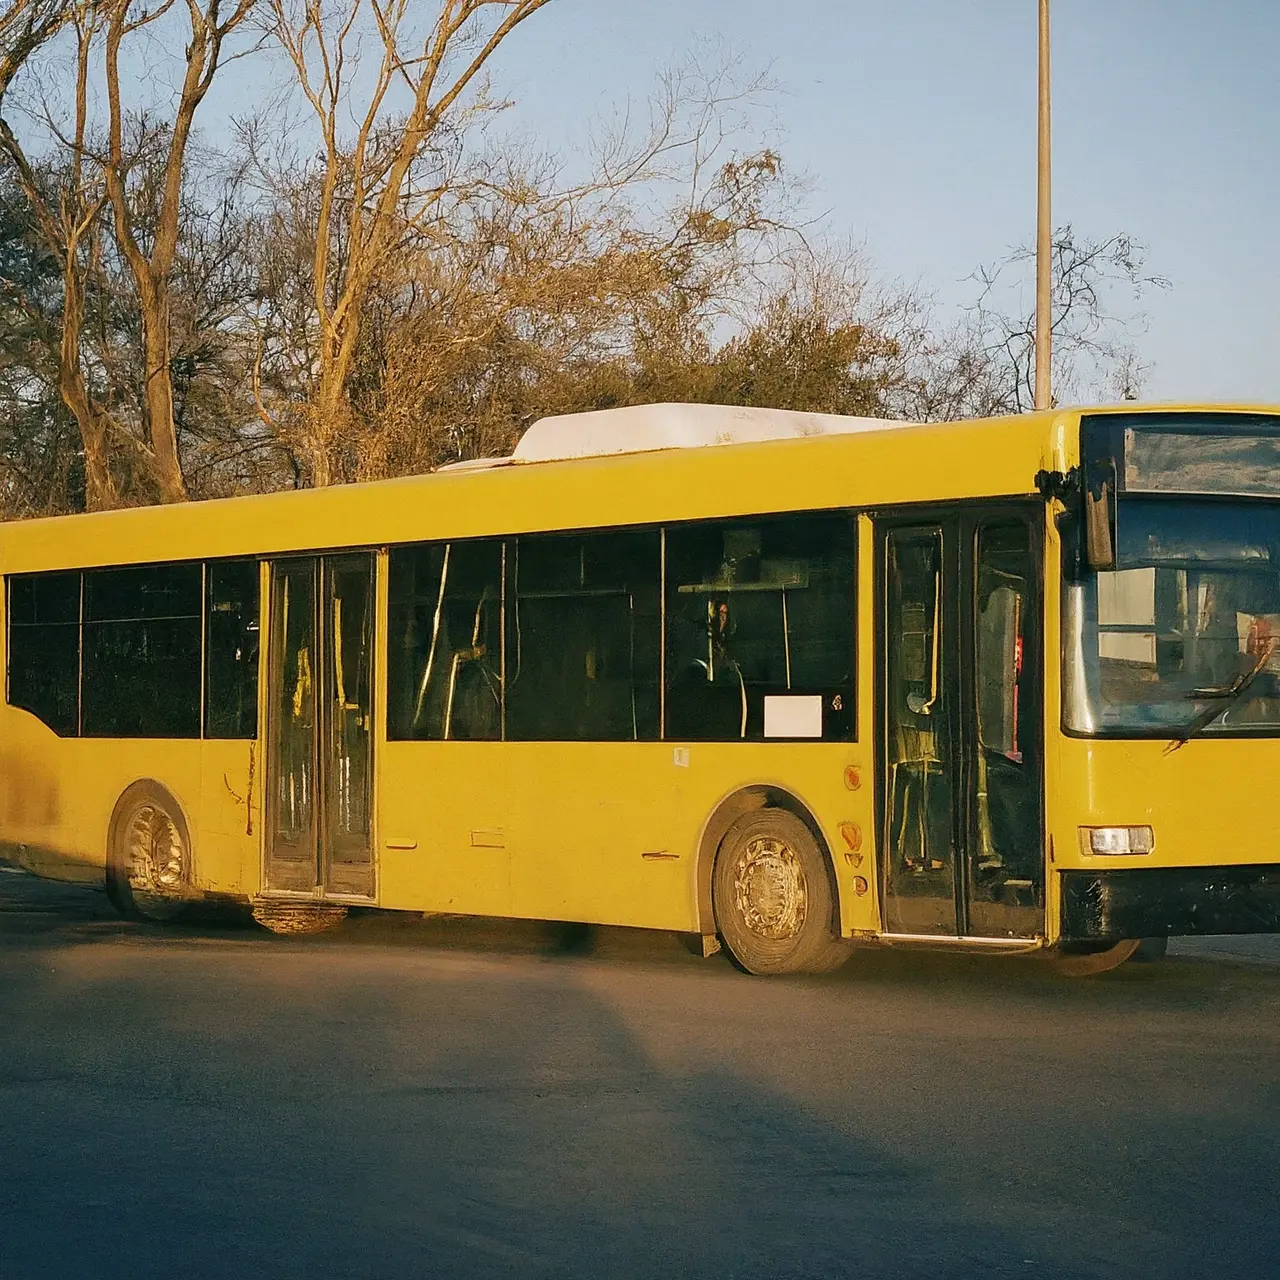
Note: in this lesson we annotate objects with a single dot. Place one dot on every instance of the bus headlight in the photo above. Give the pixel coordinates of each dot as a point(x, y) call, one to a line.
point(1117, 840)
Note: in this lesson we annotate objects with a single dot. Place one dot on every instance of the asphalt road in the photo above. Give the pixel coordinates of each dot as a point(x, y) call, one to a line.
point(410, 1099)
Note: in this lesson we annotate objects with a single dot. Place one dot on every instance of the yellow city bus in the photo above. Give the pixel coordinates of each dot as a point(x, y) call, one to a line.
point(779, 681)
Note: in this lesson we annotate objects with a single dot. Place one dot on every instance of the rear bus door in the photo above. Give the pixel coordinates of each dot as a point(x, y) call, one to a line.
point(320, 726)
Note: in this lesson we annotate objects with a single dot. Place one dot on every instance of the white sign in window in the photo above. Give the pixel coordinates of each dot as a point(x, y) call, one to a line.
point(793, 715)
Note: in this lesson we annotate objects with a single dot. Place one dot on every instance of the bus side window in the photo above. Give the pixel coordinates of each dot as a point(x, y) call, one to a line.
point(231, 649)
point(445, 632)
point(760, 628)
point(44, 648)
point(141, 660)
point(584, 636)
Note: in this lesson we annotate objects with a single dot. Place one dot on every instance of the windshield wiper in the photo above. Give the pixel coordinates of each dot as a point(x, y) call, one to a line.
point(1229, 694)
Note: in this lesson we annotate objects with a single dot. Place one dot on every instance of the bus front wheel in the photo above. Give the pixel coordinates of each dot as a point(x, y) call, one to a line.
point(773, 898)
point(149, 855)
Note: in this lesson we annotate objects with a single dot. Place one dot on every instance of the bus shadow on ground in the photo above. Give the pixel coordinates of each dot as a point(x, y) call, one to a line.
point(32, 909)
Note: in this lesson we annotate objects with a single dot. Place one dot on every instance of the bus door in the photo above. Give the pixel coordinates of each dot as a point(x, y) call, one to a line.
point(960, 734)
point(320, 748)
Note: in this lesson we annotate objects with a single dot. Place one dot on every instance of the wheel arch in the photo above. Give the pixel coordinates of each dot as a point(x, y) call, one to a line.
point(732, 807)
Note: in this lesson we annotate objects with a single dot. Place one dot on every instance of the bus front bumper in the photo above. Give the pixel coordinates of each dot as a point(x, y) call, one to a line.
point(1170, 902)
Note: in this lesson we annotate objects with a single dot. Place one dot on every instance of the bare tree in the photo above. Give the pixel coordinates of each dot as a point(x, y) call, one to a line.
point(982, 363)
point(40, 452)
point(65, 206)
point(392, 283)
point(517, 290)
point(1093, 349)
point(135, 175)
point(211, 22)
point(379, 183)
point(26, 25)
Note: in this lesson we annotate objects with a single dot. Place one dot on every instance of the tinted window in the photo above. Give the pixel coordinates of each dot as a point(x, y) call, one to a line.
point(584, 636)
point(293, 641)
point(44, 648)
point(1009, 867)
point(760, 617)
point(348, 611)
point(918, 715)
point(141, 673)
point(231, 649)
point(445, 632)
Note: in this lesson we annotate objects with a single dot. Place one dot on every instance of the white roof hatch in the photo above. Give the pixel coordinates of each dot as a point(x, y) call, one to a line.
point(640, 428)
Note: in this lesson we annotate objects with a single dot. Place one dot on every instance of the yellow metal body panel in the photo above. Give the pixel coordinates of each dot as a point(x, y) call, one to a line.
point(603, 832)
point(76, 784)
point(40, 799)
point(527, 829)
point(227, 843)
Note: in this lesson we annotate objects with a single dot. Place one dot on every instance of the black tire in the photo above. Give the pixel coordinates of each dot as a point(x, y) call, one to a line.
point(1150, 951)
point(149, 855)
point(773, 898)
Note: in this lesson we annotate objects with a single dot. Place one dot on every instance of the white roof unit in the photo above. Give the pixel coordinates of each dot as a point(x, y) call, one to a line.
point(639, 428)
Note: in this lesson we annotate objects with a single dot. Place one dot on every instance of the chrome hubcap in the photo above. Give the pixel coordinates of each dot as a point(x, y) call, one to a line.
point(769, 889)
point(155, 852)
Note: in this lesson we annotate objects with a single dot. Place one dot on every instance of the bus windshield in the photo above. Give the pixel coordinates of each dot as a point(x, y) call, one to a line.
point(1189, 620)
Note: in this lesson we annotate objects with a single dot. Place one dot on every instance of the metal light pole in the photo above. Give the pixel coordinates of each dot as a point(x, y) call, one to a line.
point(1044, 228)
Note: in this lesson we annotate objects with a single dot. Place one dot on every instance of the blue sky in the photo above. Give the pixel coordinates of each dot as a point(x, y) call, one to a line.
point(915, 122)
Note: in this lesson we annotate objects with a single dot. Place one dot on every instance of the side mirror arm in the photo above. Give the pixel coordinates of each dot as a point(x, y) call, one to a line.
point(1096, 504)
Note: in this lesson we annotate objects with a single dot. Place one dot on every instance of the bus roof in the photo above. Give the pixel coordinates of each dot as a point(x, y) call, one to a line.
point(565, 478)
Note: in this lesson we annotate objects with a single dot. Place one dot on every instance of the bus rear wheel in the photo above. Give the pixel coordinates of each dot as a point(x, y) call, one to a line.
point(1086, 960)
point(149, 855)
point(773, 897)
